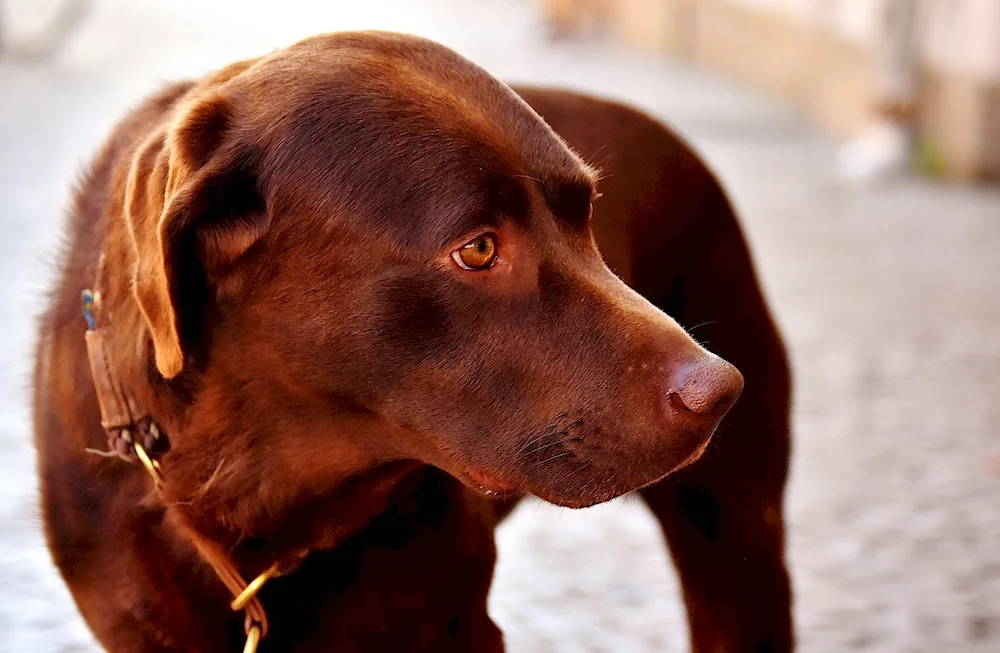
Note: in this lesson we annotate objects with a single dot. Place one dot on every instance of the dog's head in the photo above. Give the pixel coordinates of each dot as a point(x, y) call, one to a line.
point(364, 248)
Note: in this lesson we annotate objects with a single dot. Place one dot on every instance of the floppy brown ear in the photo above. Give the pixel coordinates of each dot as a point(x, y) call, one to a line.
point(193, 206)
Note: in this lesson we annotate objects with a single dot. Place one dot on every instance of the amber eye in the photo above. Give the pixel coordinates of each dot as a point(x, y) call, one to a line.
point(477, 254)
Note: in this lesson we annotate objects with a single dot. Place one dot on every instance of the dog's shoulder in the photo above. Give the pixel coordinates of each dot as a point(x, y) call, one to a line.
point(604, 129)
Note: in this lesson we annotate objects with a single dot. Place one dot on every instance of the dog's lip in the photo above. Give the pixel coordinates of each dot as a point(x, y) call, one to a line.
point(696, 454)
point(489, 484)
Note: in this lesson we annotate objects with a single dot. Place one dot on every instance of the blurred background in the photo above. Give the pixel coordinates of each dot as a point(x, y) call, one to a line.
point(859, 141)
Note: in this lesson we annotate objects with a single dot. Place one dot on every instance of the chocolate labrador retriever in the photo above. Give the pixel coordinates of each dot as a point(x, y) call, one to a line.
point(345, 305)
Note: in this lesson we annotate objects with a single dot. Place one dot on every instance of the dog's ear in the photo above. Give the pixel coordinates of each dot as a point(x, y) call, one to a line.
point(193, 207)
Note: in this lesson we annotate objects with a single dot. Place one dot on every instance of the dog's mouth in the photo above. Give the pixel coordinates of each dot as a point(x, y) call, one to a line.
point(578, 482)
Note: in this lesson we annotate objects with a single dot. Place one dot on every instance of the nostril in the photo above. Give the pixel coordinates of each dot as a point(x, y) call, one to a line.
point(711, 387)
point(724, 403)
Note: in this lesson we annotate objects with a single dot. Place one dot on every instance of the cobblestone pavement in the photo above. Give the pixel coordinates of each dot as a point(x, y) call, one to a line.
point(888, 296)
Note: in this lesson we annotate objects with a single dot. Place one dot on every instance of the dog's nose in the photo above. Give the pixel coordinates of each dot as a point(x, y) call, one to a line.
point(707, 388)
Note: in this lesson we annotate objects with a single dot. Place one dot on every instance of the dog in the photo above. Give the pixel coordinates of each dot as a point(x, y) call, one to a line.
point(345, 305)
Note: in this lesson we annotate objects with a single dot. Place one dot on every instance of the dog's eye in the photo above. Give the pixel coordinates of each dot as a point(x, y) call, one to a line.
point(477, 254)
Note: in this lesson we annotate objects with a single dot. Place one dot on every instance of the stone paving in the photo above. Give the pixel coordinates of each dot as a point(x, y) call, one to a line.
point(888, 296)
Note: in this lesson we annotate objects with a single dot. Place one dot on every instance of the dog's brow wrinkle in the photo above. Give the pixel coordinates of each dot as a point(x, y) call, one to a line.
point(471, 221)
point(569, 199)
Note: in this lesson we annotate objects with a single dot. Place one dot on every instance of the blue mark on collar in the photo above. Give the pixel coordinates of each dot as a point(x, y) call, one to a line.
point(88, 308)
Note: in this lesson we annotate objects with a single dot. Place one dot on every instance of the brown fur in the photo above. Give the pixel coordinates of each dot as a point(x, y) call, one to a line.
point(282, 300)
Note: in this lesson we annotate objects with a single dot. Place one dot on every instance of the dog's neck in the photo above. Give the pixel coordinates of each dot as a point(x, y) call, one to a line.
point(227, 506)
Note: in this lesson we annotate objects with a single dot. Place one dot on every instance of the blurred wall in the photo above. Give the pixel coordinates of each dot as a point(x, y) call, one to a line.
point(933, 65)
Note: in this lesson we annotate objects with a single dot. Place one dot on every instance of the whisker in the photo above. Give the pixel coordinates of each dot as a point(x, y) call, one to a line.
point(698, 326)
point(551, 458)
point(203, 490)
point(551, 444)
point(545, 434)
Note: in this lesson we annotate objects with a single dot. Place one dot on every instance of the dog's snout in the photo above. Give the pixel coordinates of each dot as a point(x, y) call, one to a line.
point(707, 388)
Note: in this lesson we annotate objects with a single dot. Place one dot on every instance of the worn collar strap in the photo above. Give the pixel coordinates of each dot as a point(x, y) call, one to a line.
point(128, 426)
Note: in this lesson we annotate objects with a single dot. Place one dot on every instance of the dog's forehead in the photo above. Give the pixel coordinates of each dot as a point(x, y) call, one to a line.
point(403, 130)
point(402, 74)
